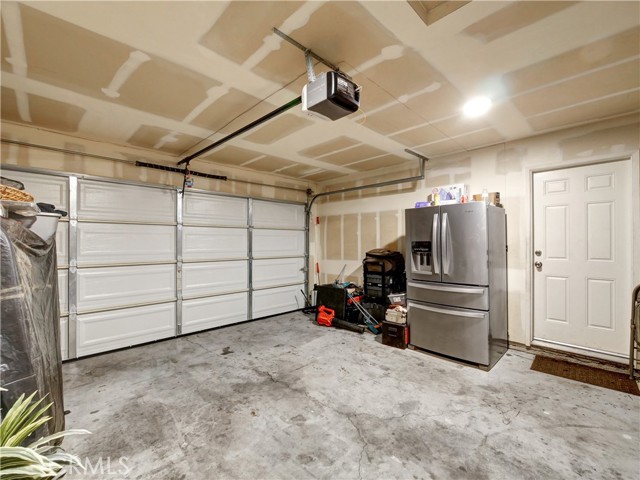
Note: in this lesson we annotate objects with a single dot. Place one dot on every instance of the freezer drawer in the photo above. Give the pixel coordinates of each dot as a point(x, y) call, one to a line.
point(454, 332)
point(462, 296)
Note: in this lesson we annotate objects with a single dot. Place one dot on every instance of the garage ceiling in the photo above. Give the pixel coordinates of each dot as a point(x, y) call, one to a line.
point(175, 76)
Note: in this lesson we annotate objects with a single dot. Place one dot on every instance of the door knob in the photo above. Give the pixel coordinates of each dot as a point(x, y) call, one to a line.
point(538, 264)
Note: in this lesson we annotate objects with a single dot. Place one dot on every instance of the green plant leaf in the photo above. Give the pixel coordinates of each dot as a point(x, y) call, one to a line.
point(44, 440)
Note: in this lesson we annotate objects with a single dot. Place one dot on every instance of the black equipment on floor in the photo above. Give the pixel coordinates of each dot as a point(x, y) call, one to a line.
point(383, 272)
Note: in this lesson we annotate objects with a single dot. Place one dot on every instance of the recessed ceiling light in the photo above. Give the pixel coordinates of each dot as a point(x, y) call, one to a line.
point(477, 106)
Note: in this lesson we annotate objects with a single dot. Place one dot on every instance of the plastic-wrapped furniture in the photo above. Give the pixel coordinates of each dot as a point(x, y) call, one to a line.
point(30, 356)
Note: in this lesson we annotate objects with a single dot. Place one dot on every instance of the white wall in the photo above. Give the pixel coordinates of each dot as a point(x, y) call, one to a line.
point(373, 218)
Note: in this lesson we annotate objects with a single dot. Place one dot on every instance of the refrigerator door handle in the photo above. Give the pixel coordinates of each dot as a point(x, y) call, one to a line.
point(446, 245)
point(439, 288)
point(435, 234)
point(455, 313)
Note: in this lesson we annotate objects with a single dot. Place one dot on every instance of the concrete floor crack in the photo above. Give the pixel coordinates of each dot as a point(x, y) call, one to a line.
point(365, 444)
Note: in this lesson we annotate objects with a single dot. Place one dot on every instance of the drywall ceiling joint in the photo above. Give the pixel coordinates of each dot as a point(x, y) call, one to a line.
point(307, 51)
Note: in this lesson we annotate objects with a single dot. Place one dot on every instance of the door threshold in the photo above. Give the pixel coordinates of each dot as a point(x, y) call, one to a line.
point(603, 363)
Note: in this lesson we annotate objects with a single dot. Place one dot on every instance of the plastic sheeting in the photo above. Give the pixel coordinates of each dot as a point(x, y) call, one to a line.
point(30, 357)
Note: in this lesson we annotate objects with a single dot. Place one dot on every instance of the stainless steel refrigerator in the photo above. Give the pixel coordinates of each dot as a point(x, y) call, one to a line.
point(457, 281)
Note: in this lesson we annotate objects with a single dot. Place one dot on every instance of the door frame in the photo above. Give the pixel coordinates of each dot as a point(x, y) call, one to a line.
point(634, 157)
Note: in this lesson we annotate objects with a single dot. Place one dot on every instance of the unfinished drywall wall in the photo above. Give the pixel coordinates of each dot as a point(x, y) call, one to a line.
point(126, 170)
point(377, 215)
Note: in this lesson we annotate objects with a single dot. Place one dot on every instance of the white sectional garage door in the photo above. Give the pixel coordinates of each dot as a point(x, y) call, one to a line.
point(215, 255)
point(138, 263)
point(126, 259)
point(278, 257)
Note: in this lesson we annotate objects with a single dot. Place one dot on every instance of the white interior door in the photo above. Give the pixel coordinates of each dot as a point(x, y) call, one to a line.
point(583, 257)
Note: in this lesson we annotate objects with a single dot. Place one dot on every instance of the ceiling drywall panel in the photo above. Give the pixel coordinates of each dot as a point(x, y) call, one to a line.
point(269, 164)
point(173, 77)
point(513, 17)
point(328, 147)
point(46, 112)
point(231, 155)
point(278, 128)
point(149, 136)
point(607, 107)
point(578, 61)
point(352, 154)
point(241, 29)
point(608, 81)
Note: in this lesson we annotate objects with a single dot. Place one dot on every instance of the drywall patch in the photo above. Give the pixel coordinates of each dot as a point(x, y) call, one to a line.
point(337, 31)
point(435, 105)
point(230, 155)
point(460, 125)
point(599, 143)
point(278, 128)
point(609, 81)
point(393, 119)
point(328, 147)
point(241, 28)
point(69, 56)
point(323, 176)
point(615, 105)
point(575, 62)
point(388, 160)
point(4, 49)
point(389, 230)
point(350, 236)
point(373, 96)
point(229, 106)
point(512, 17)
point(164, 88)
point(44, 112)
point(488, 136)
point(353, 154)
point(298, 170)
point(147, 136)
point(419, 135)
point(368, 231)
point(269, 164)
point(510, 159)
point(334, 237)
point(440, 148)
point(404, 75)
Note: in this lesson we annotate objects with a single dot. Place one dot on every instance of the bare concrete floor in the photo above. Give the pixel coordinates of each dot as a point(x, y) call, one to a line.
point(284, 398)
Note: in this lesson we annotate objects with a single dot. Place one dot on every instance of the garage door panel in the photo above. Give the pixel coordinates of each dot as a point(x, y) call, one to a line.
point(63, 291)
point(45, 188)
point(203, 209)
point(125, 203)
point(278, 243)
point(64, 338)
point(208, 243)
point(210, 278)
point(62, 244)
point(277, 271)
point(101, 243)
point(211, 312)
point(278, 215)
point(100, 332)
point(277, 300)
point(111, 287)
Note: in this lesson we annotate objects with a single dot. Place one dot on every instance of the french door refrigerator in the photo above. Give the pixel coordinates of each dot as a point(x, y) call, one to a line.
point(457, 281)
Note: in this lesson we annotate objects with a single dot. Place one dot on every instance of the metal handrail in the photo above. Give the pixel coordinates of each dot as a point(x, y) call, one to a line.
point(635, 304)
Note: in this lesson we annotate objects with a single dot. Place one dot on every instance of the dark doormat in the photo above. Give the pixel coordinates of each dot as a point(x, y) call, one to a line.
point(585, 374)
